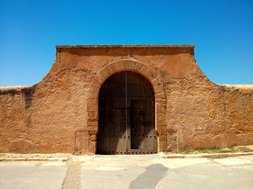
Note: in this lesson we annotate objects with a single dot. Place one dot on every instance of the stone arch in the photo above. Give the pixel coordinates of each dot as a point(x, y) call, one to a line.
point(119, 66)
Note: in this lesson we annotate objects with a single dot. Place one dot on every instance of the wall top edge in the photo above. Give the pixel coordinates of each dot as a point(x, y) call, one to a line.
point(248, 86)
point(123, 46)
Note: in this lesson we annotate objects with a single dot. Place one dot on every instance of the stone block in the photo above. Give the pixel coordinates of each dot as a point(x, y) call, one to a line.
point(81, 142)
point(92, 104)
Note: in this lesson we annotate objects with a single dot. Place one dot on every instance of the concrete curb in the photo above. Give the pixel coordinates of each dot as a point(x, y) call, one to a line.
point(215, 155)
point(25, 157)
point(63, 159)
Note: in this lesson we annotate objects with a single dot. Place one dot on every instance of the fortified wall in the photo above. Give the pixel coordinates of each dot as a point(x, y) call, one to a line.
point(152, 96)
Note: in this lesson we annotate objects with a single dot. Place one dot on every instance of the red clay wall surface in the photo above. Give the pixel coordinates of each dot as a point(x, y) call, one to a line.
point(60, 113)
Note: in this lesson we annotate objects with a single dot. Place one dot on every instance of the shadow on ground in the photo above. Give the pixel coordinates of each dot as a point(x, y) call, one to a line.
point(148, 180)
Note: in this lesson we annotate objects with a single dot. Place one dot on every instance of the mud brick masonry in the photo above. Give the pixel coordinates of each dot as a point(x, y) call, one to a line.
point(62, 112)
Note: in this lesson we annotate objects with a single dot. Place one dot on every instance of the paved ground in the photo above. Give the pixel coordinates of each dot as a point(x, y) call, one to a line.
point(134, 172)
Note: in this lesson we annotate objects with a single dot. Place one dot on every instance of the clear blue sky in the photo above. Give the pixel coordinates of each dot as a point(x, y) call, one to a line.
point(222, 31)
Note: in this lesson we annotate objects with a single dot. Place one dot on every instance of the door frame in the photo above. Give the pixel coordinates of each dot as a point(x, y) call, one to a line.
point(134, 94)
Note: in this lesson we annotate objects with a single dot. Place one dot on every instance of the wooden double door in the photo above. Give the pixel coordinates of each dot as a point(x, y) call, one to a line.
point(126, 115)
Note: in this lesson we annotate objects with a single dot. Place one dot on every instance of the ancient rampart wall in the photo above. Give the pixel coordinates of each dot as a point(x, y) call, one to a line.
point(60, 113)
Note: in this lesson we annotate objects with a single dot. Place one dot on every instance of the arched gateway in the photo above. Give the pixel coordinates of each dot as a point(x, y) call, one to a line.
point(100, 140)
point(126, 115)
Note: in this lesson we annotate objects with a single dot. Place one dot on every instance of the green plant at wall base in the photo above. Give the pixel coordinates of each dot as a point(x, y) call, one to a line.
point(230, 149)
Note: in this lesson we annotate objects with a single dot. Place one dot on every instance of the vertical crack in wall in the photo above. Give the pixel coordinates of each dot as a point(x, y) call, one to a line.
point(28, 95)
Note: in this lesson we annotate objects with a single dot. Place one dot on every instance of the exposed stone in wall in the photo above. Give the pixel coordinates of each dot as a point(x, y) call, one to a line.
point(60, 113)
